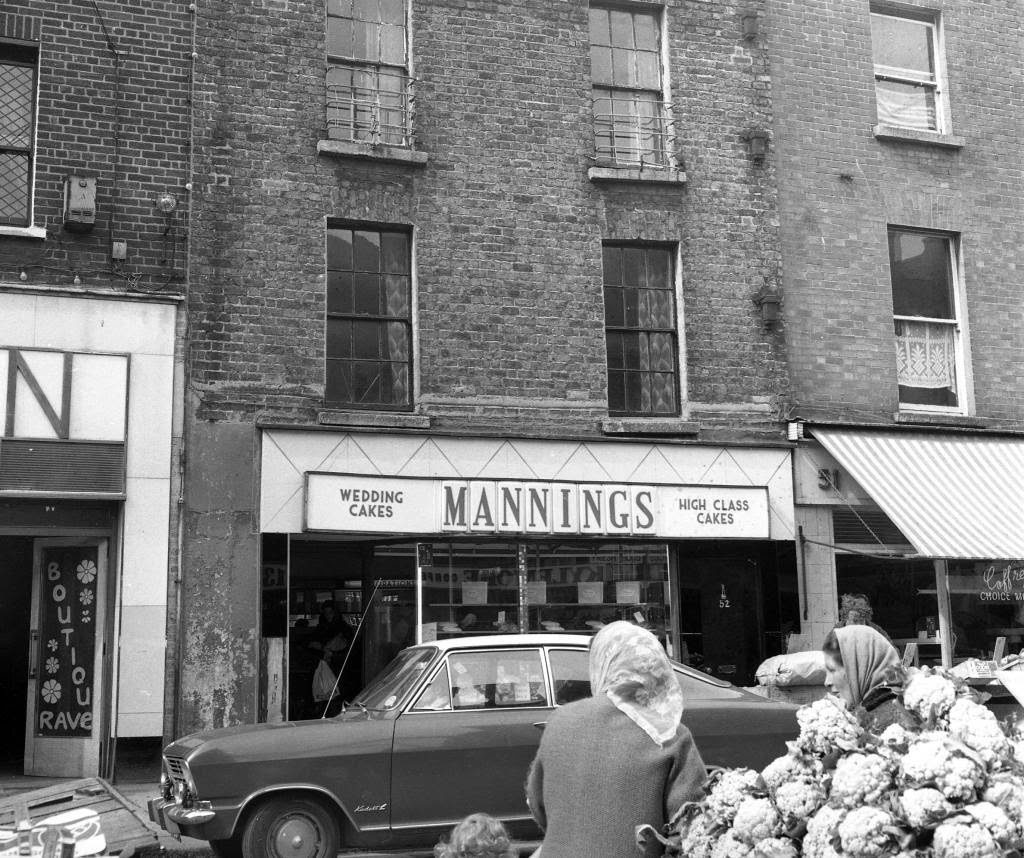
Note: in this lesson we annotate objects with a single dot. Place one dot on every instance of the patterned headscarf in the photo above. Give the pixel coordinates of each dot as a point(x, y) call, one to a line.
point(629, 665)
point(867, 656)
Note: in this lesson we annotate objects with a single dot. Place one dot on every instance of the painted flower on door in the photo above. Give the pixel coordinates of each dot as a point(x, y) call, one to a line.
point(86, 571)
point(52, 665)
point(85, 597)
point(52, 644)
point(51, 691)
point(86, 617)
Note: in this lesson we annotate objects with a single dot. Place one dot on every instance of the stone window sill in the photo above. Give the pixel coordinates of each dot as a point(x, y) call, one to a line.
point(651, 175)
point(896, 134)
point(23, 231)
point(649, 426)
point(931, 418)
point(373, 419)
point(370, 152)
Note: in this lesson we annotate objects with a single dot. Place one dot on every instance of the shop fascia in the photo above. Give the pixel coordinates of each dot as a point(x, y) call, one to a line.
point(358, 503)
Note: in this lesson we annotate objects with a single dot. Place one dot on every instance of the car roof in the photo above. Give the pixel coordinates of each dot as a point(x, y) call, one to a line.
point(528, 639)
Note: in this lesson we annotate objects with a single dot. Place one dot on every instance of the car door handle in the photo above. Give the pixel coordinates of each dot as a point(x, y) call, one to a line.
point(540, 725)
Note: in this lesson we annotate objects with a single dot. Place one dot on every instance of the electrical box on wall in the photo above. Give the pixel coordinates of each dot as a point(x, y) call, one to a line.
point(79, 203)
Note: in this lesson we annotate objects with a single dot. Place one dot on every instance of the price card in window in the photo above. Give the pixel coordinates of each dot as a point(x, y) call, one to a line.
point(590, 592)
point(522, 692)
point(537, 592)
point(474, 592)
point(627, 592)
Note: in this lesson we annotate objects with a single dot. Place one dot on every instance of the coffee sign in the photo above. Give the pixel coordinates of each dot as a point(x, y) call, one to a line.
point(346, 502)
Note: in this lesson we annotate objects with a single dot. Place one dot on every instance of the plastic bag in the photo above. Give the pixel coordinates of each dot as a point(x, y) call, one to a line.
point(324, 682)
point(795, 668)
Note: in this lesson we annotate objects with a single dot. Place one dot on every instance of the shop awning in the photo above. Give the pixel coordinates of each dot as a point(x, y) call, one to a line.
point(952, 496)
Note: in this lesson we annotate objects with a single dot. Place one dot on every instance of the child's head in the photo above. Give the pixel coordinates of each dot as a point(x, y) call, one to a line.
point(477, 836)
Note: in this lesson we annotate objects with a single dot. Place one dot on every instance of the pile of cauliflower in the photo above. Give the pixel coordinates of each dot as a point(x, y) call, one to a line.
point(947, 781)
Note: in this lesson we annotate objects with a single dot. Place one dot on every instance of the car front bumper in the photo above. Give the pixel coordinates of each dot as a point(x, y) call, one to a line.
point(198, 821)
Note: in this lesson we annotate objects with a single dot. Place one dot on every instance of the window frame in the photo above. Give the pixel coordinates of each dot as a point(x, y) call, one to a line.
point(357, 65)
point(961, 342)
point(667, 131)
point(932, 19)
point(412, 364)
point(8, 49)
point(678, 362)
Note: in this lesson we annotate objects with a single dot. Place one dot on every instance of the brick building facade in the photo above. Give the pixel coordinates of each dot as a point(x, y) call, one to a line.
point(897, 151)
point(94, 157)
point(513, 157)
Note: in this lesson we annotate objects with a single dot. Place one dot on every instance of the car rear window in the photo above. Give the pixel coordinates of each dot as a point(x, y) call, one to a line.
point(390, 686)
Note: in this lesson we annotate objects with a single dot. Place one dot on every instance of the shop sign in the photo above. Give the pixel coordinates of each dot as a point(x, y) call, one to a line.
point(347, 502)
point(992, 582)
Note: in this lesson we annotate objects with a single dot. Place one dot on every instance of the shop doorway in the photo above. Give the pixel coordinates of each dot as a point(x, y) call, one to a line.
point(15, 621)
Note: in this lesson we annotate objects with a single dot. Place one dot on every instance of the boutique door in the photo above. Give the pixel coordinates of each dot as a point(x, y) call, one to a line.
point(63, 733)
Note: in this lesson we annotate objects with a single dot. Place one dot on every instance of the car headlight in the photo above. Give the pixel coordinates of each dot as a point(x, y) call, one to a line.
point(166, 790)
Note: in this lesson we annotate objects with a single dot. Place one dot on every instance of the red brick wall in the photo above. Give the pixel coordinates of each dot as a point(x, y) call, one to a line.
point(840, 187)
point(78, 123)
point(508, 227)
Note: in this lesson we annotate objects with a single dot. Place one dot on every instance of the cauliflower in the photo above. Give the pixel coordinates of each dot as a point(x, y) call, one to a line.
point(825, 726)
point(732, 787)
point(820, 830)
point(928, 695)
point(1007, 793)
point(866, 833)
point(787, 767)
point(776, 847)
point(695, 839)
point(729, 847)
point(999, 825)
point(799, 798)
point(964, 840)
point(922, 808)
point(977, 727)
point(860, 779)
point(937, 760)
point(895, 736)
point(756, 819)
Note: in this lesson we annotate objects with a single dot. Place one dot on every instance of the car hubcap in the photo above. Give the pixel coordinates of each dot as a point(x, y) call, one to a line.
point(297, 837)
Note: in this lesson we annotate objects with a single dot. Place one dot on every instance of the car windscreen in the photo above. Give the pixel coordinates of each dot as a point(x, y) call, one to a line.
point(388, 688)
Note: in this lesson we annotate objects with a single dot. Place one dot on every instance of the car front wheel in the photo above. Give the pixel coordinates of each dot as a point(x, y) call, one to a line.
point(291, 827)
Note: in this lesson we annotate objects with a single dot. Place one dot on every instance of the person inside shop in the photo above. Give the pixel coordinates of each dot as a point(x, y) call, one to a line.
point(855, 610)
point(332, 638)
point(623, 754)
point(864, 669)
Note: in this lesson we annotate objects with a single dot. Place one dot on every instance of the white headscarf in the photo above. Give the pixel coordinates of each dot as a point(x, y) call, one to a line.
point(629, 665)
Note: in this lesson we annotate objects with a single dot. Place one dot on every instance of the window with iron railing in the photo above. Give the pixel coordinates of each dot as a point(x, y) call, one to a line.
point(369, 90)
point(17, 133)
point(632, 124)
point(926, 317)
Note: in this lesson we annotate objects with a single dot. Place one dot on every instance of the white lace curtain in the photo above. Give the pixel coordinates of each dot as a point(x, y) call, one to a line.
point(925, 354)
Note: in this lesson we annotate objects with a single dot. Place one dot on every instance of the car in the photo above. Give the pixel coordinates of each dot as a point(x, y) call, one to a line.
point(448, 728)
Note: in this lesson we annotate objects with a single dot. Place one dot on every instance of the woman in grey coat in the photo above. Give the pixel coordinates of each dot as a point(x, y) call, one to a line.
point(618, 759)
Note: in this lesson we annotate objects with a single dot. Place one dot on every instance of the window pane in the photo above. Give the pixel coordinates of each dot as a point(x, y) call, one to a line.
point(367, 251)
point(395, 252)
point(631, 308)
point(14, 180)
point(392, 11)
point(922, 277)
point(633, 268)
point(435, 697)
point(339, 381)
point(392, 45)
point(339, 338)
point(663, 393)
point(613, 316)
point(601, 66)
point(364, 41)
point(339, 37)
point(339, 292)
point(906, 104)
point(366, 10)
point(16, 99)
point(623, 67)
point(634, 392)
point(570, 675)
point(366, 340)
point(646, 29)
point(599, 27)
point(340, 7)
point(397, 346)
point(926, 362)
point(616, 391)
point(662, 352)
point(367, 294)
point(631, 350)
point(399, 384)
point(616, 350)
point(659, 268)
point(366, 382)
point(339, 249)
point(397, 296)
point(662, 306)
point(611, 258)
point(622, 30)
point(901, 44)
point(648, 71)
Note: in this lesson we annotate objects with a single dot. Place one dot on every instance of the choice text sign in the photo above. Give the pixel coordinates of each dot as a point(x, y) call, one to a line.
point(344, 503)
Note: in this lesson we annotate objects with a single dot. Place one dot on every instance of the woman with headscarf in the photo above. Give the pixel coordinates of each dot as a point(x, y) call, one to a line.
point(618, 759)
point(862, 667)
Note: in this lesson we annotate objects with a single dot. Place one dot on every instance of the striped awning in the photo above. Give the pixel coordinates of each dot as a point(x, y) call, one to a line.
point(954, 496)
